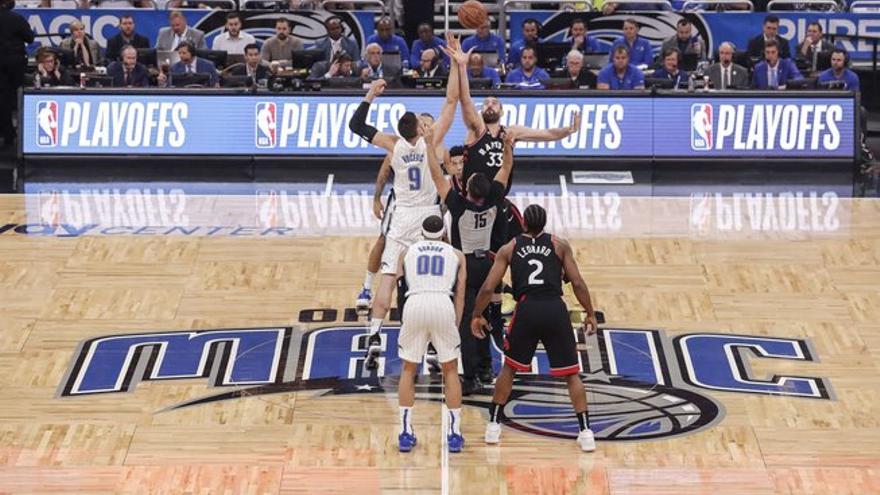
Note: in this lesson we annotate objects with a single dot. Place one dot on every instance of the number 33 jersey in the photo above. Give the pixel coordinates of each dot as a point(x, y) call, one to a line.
point(535, 267)
point(412, 175)
point(430, 267)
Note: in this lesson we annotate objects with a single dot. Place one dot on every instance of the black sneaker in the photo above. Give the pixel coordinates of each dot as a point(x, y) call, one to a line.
point(469, 385)
point(486, 376)
point(374, 349)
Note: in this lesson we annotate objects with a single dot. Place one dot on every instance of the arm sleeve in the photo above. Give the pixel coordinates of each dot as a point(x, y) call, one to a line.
point(358, 123)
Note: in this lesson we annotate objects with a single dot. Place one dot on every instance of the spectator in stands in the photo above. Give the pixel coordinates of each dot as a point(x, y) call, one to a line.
point(813, 44)
point(639, 49)
point(171, 37)
point(580, 76)
point(342, 66)
point(839, 72)
point(191, 64)
point(426, 41)
point(430, 66)
point(485, 41)
point(390, 42)
point(86, 51)
point(685, 40)
point(725, 74)
point(128, 73)
point(771, 32)
point(50, 71)
point(774, 72)
point(620, 73)
point(253, 66)
point(15, 33)
point(335, 42)
point(126, 37)
point(528, 75)
point(530, 29)
point(233, 41)
point(580, 40)
point(280, 47)
point(670, 70)
point(478, 70)
point(373, 68)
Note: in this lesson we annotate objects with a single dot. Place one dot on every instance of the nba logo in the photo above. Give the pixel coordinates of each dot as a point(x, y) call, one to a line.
point(701, 127)
point(47, 123)
point(265, 124)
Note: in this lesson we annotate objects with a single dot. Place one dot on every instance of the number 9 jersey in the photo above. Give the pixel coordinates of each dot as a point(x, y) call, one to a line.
point(412, 175)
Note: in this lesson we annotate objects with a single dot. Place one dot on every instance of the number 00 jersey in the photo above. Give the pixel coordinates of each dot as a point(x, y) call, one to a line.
point(412, 175)
point(535, 268)
point(485, 156)
point(430, 267)
point(472, 223)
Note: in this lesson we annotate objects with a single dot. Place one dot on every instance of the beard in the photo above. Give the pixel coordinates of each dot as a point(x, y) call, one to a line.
point(490, 116)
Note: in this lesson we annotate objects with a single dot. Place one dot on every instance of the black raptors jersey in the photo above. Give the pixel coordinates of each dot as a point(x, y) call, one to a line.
point(535, 268)
point(485, 156)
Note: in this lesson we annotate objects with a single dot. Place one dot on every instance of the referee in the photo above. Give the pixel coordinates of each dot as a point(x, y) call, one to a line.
point(473, 215)
point(15, 33)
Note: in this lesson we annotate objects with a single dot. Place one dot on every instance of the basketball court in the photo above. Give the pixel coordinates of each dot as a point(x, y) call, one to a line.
point(741, 353)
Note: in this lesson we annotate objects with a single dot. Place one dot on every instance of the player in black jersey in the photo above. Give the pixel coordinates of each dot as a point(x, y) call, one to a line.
point(538, 261)
point(473, 213)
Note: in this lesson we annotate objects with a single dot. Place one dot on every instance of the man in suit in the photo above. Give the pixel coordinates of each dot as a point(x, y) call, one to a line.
point(86, 51)
point(771, 32)
point(685, 40)
point(342, 66)
point(126, 36)
point(373, 68)
point(774, 72)
point(580, 76)
point(129, 73)
point(430, 66)
point(335, 42)
point(814, 44)
point(178, 32)
point(254, 67)
point(190, 64)
point(725, 74)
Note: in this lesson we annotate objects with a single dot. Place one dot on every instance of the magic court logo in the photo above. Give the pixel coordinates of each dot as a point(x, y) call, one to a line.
point(641, 384)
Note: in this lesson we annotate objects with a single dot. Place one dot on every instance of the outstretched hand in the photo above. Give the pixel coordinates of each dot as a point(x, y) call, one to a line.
point(575, 123)
point(377, 87)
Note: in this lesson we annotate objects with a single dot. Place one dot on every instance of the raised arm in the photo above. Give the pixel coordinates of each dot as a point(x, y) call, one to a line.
point(581, 292)
point(503, 174)
point(521, 133)
point(460, 288)
point(358, 123)
point(472, 119)
point(381, 180)
point(447, 113)
point(502, 260)
point(440, 182)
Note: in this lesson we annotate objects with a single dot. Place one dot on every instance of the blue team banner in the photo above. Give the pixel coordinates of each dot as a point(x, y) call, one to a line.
point(269, 125)
point(714, 28)
point(51, 25)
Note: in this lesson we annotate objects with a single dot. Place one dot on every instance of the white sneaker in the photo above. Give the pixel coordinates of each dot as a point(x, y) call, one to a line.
point(585, 440)
point(493, 433)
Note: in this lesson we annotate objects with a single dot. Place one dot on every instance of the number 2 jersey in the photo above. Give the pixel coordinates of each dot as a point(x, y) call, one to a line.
point(535, 267)
point(412, 175)
point(430, 267)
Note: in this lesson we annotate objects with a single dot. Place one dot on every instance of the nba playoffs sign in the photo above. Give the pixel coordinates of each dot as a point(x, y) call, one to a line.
point(696, 125)
point(641, 384)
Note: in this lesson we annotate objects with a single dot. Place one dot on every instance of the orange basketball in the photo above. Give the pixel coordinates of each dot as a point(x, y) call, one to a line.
point(472, 14)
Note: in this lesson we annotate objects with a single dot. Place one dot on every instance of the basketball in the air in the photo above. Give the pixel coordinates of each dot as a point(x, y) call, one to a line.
point(472, 14)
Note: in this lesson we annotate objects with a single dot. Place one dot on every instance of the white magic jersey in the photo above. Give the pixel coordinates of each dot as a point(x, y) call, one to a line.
point(412, 175)
point(430, 267)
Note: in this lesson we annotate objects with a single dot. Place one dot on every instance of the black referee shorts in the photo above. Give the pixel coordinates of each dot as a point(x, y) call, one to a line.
point(542, 320)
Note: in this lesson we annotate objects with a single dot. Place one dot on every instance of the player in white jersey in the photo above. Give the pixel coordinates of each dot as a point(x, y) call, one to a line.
point(415, 194)
point(433, 269)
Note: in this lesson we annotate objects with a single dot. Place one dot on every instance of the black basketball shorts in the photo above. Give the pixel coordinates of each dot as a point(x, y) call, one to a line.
point(542, 320)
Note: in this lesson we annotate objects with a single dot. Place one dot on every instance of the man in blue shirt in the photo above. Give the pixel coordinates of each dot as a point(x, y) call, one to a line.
point(670, 70)
point(528, 76)
point(426, 41)
point(620, 74)
point(485, 41)
point(389, 41)
point(839, 72)
point(580, 41)
point(477, 70)
point(774, 72)
point(640, 51)
point(530, 28)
